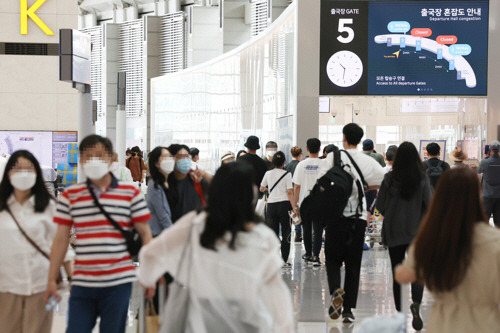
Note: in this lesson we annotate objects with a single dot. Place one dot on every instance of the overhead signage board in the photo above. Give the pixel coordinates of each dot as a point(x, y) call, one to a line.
point(404, 47)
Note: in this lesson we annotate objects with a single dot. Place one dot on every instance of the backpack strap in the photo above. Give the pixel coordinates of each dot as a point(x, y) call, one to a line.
point(359, 185)
point(336, 158)
point(356, 167)
point(429, 165)
point(440, 164)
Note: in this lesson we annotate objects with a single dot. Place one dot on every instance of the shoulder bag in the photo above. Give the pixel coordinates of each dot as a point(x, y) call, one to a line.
point(261, 207)
point(272, 188)
point(132, 238)
point(59, 276)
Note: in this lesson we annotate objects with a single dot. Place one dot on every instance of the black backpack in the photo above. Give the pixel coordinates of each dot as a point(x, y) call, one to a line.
point(330, 195)
point(434, 171)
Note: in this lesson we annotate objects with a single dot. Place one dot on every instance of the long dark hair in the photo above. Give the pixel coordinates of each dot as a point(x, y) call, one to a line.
point(230, 204)
point(443, 246)
point(42, 196)
point(407, 169)
point(158, 177)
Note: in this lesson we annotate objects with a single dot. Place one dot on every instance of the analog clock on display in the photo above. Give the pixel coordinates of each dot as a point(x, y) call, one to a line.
point(344, 69)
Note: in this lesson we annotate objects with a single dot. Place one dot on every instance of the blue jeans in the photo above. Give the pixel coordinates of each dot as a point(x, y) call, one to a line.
point(108, 303)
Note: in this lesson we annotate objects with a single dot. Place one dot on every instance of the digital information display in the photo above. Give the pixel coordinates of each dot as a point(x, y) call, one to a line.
point(404, 47)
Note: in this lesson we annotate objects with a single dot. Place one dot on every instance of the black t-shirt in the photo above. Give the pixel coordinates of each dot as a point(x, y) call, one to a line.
point(434, 162)
point(188, 198)
point(291, 166)
point(258, 165)
point(268, 164)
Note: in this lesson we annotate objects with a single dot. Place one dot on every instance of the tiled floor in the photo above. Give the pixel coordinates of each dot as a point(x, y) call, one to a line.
point(311, 299)
point(310, 295)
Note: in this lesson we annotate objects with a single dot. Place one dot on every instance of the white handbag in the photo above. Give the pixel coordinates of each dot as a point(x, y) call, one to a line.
point(260, 209)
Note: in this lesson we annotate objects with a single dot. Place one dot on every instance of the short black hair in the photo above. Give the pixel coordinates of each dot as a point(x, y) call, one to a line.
point(94, 139)
point(174, 148)
point(353, 133)
point(194, 151)
point(271, 144)
point(278, 159)
point(433, 149)
point(330, 148)
point(241, 152)
point(129, 151)
point(389, 155)
point(313, 145)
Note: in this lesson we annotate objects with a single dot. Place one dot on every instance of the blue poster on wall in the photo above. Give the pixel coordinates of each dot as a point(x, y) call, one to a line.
point(404, 47)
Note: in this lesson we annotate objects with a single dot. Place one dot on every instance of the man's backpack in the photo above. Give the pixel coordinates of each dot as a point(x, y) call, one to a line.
point(330, 195)
point(434, 171)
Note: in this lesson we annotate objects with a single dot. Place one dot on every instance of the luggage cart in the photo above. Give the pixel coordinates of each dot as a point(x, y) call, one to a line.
point(374, 229)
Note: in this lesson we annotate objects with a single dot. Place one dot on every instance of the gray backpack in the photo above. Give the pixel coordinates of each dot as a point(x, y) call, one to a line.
point(434, 171)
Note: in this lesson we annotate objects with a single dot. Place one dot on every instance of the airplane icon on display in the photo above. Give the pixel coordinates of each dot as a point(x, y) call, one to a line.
point(456, 62)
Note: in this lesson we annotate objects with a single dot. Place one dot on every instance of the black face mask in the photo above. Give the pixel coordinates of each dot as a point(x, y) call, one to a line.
point(133, 154)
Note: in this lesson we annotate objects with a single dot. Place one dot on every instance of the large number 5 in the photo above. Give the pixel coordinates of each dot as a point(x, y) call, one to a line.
point(343, 28)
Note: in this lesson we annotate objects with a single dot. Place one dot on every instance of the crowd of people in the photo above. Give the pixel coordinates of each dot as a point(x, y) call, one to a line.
point(200, 232)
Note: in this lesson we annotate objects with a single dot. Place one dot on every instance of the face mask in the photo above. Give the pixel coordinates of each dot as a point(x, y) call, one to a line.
point(23, 180)
point(271, 153)
point(184, 165)
point(95, 169)
point(167, 165)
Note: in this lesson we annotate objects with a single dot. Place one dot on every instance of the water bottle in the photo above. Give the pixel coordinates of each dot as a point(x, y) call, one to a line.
point(51, 303)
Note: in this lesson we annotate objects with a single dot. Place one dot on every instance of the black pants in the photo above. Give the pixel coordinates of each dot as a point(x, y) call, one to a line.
point(397, 255)
point(492, 206)
point(344, 243)
point(277, 215)
point(312, 234)
point(370, 198)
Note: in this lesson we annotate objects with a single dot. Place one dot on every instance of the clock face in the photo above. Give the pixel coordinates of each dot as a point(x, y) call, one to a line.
point(344, 69)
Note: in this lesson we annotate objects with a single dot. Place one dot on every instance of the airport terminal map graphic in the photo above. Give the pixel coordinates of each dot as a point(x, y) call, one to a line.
point(38, 143)
point(410, 47)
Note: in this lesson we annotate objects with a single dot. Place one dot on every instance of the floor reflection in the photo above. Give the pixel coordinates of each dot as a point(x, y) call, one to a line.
point(309, 288)
point(311, 299)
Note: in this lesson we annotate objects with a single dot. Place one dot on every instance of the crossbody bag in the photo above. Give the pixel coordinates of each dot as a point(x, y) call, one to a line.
point(279, 180)
point(32, 242)
point(132, 238)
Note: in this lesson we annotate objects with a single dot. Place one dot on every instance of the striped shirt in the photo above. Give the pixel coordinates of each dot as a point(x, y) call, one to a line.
point(102, 259)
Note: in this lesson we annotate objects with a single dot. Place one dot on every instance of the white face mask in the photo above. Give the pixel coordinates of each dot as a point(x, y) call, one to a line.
point(95, 169)
point(23, 180)
point(271, 153)
point(167, 165)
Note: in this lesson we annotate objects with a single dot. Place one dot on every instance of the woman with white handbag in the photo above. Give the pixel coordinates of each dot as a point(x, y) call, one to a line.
point(278, 184)
point(226, 266)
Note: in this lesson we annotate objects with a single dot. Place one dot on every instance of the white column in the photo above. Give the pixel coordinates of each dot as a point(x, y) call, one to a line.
point(85, 121)
point(306, 121)
point(494, 72)
point(121, 134)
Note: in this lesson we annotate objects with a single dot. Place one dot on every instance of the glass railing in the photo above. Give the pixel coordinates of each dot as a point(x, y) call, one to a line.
point(214, 106)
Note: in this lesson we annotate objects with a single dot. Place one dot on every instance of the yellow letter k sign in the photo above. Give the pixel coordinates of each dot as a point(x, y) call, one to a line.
point(30, 12)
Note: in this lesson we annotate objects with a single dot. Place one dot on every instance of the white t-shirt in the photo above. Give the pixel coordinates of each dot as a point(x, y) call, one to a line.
point(279, 193)
point(372, 172)
point(306, 174)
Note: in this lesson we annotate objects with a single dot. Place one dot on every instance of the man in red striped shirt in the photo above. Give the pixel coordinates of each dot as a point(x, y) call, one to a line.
point(104, 270)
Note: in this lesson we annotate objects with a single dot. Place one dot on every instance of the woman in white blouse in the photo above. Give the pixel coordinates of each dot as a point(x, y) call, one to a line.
point(23, 269)
point(232, 262)
point(278, 183)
